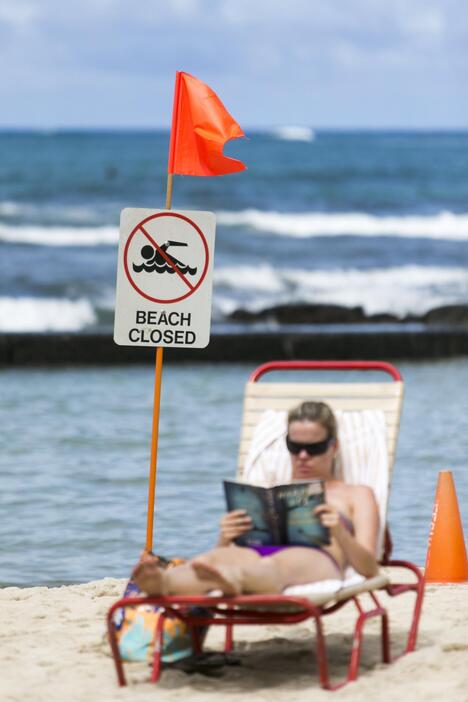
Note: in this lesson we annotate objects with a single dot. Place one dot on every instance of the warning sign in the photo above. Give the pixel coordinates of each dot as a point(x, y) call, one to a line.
point(164, 278)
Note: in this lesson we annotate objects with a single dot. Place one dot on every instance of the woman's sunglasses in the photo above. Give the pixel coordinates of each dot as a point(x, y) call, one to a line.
point(315, 449)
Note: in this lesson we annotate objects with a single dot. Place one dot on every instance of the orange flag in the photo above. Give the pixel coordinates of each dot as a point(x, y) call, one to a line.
point(201, 126)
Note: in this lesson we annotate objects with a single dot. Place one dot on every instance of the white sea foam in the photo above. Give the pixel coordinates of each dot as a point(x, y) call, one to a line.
point(294, 133)
point(444, 225)
point(60, 236)
point(262, 278)
point(398, 290)
point(32, 314)
point(9, 208)
point(49, 212)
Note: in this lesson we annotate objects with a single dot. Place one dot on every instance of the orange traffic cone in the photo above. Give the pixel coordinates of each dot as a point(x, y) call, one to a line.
point(446, 560)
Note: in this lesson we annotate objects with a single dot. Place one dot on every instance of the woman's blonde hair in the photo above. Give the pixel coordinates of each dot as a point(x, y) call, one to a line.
point(318, 412)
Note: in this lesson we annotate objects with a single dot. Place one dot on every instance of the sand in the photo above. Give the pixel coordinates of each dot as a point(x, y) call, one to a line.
point(53, 649)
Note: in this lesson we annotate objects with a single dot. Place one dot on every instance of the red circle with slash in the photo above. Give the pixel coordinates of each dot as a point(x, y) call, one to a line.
point(140, 227)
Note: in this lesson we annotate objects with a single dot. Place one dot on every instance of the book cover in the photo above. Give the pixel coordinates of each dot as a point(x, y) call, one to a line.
point(281, 515)
point(296, 503)
point(258, 502)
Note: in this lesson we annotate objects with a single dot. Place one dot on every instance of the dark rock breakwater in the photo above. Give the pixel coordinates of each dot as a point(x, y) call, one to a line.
point(303, 313)
point(371, 342)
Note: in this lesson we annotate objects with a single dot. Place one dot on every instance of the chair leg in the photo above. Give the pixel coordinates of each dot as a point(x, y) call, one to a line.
point(379, 611)
point(413, 632)
point(353, 668)
point(229, 639)
point(386, 654)
point(197, 640)
point(115, 652)
point(356, 650)
point(158, 648)
point(321, 653)
point(395, 589)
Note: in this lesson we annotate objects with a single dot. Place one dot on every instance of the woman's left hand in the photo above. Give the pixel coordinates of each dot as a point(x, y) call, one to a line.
point(329, 517)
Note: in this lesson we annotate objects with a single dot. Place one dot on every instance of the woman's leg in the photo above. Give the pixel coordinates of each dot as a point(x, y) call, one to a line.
point(269, 575)
point(220, 568)
point(235, 570)
point(300, 565)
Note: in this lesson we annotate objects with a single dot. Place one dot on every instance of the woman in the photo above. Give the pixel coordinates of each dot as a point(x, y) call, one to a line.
point(350, 513)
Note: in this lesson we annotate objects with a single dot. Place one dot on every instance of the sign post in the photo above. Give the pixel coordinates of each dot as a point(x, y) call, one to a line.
point(163, 297)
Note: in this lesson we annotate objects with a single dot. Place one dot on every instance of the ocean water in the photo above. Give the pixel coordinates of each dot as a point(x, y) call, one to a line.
point(75, 456)
point(372, 219)
point(367, 218)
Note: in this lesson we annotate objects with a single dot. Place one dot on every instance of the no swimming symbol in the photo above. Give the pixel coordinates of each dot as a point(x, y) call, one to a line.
point(146, 257)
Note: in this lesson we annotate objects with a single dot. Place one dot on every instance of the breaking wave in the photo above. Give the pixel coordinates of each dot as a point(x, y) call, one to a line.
point(50, 212)
point(399, 290)
point(294, 133)
point(60, 236)
point(445, 225)
point(33, 314)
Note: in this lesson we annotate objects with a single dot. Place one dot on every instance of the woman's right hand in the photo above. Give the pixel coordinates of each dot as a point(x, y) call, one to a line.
point(233, 524)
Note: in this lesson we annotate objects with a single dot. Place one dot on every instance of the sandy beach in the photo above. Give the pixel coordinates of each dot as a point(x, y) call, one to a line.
point(54, 649)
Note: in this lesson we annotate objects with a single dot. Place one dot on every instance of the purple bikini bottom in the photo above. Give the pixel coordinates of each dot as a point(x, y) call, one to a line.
point(270, 550)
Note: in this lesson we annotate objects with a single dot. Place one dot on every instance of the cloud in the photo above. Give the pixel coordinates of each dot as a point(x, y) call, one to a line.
point(252, 47)
point(102, 31)
point(17, 15)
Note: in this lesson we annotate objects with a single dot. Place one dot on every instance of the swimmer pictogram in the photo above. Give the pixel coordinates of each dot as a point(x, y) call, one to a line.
point(155, 261)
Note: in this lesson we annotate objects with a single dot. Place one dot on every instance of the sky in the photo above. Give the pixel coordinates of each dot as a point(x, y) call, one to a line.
point(319, 63)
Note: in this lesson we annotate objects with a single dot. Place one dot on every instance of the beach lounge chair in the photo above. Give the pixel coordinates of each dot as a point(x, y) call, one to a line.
point(380, 399)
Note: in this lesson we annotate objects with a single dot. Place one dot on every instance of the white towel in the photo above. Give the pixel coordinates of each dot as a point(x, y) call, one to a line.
point(330, 587)
point(362, 457)
point(268, 461)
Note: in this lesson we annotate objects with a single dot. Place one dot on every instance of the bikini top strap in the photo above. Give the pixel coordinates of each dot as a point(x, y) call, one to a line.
point(347, 523)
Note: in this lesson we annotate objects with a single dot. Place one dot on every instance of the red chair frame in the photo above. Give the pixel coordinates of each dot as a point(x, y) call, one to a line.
point(228, 611)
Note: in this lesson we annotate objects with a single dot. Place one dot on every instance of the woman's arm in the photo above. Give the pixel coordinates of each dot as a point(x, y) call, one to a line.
point(359, 548)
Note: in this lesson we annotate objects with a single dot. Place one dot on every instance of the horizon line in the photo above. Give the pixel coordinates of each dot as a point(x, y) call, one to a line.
point(253, 129)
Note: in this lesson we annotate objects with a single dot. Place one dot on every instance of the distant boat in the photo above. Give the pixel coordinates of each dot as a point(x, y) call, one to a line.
point(293, 133)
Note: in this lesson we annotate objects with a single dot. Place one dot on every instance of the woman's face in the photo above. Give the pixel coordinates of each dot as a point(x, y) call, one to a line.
point(304, 466)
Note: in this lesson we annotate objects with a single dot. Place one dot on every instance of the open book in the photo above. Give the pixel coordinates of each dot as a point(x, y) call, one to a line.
point(283, 514)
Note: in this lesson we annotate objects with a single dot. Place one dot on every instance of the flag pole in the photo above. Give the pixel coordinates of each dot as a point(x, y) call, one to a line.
point(156, 412)
point(155, 423)
point(160, 351)
point(169, 192)
point(154, 449)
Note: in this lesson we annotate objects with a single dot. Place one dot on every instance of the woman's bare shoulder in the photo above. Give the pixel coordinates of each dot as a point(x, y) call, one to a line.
point(347, 487)
point(354, 493)
point(361, 493)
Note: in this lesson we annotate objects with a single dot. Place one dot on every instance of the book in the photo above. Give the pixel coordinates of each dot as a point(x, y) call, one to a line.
point(281, 515)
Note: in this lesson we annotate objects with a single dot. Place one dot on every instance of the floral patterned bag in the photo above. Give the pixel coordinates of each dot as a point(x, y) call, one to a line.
point(136, 628)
